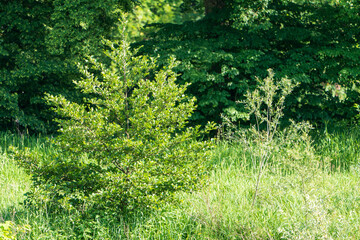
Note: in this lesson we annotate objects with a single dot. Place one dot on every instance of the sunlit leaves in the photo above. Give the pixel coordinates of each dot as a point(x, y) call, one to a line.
point(131, 130)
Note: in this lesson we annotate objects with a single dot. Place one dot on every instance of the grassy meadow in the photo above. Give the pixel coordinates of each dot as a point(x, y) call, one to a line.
point(302, 202)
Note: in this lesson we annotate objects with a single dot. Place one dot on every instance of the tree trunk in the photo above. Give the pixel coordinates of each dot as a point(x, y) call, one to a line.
point(212, 6)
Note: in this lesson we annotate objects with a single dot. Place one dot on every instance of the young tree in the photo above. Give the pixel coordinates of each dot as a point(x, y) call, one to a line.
point(128, 145)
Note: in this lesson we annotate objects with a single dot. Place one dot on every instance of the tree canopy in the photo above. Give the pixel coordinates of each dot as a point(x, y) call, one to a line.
point(222, 45)
point(315, 43)
point(40, 43)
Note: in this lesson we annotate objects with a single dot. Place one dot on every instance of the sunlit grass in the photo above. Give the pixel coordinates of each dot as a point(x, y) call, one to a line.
point(326, 207)
point(342, 146)
point(14, 182)
point(329, 207)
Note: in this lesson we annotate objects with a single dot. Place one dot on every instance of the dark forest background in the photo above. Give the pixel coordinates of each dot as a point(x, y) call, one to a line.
point(222, 47)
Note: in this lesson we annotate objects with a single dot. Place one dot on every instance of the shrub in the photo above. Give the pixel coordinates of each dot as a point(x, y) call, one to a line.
point(127, 146)
point(271, 148)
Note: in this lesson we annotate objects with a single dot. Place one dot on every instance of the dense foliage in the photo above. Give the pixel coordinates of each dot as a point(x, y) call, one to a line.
point(126, 146)
point(315, 43)
point(40, 42)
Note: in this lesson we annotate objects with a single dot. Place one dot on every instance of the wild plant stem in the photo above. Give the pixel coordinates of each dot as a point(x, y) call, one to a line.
point(262, 163)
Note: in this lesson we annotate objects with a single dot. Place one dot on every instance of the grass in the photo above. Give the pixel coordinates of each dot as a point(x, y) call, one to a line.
point(14, 182)
point(326, 206)
point(341, 146)
point(282, 210)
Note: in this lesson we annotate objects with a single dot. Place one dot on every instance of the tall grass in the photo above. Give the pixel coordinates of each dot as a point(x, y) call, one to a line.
point(341, 144)
point(8, 139)
point(329, 208)
point(14, 182)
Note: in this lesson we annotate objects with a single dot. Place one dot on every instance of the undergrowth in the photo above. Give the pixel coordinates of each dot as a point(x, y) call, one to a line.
point(266, 183)
point(221, 210)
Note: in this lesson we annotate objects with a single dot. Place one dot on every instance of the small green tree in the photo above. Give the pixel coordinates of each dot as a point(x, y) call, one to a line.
point(128, 145)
